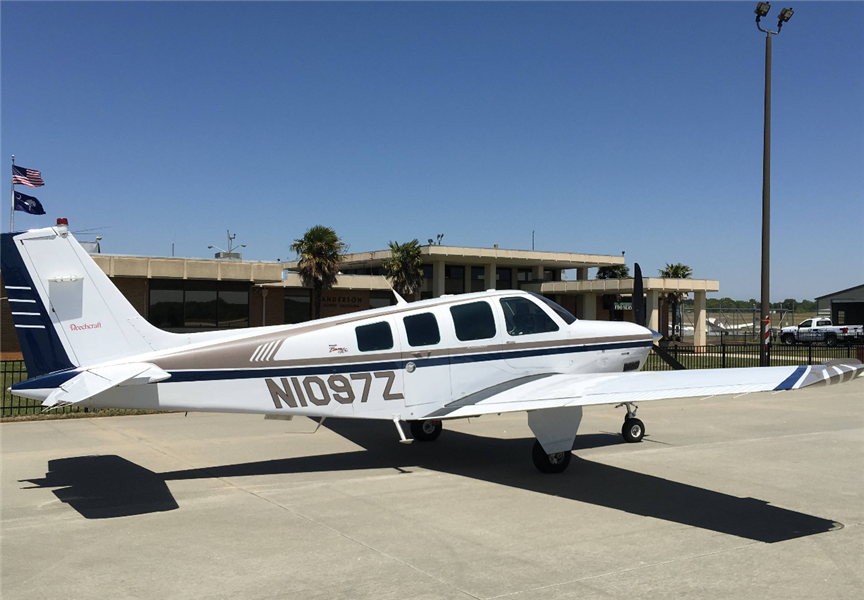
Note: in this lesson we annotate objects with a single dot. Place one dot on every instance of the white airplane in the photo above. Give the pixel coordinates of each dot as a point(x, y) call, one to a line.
point(421, 363)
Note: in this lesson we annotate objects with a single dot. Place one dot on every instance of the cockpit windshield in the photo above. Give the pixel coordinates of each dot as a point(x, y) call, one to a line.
point(559, 310)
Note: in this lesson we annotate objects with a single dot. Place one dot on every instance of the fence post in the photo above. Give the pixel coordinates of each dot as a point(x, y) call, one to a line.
point(809, 354)
point(723, 355)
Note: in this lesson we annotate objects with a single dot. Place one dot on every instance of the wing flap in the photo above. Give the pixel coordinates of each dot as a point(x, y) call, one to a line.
point(557, 390)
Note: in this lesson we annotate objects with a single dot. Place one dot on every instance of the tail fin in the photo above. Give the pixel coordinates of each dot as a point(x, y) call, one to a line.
point(66, 311)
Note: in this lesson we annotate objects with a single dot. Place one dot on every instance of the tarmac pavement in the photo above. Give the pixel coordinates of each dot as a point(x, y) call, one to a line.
point(759, 496)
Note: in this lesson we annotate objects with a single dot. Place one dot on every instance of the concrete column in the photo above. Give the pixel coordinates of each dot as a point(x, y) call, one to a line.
point(537, 272)
point(437, 279)
point(700, 337)
point(589, 310)
point(652, 309)
point(467, 283)
point(489, 276)
point(582, 274)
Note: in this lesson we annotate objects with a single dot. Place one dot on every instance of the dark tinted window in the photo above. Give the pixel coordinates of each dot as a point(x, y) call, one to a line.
point(298, 305)
point(233, 305)
point(166, 303)
point(473, 321)
point(557, 308)
point(523, 317)
point(422, 330)
point(376, 336)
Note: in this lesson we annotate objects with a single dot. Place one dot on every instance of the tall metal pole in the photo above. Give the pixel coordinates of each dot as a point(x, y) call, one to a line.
point(764, 316)
point(12, 213)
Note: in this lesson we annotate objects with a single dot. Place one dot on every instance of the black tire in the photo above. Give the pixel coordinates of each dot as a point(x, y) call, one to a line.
point(831, 340)
point(549, 463)
point(633, 430)
point(426, 431)
point(789, 339)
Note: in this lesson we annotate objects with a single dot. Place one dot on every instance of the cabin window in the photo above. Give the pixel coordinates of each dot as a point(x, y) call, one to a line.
point(523, 317)
point(807, 323)
point(823, 323)
point(559, 310)
point(473, 321)
point(422, 330)
point(376, 336)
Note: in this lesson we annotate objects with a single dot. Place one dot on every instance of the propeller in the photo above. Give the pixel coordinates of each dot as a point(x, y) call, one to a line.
point(638, 296)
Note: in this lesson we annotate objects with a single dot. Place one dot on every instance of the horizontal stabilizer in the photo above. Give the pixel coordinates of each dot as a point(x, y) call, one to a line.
point(95, 381)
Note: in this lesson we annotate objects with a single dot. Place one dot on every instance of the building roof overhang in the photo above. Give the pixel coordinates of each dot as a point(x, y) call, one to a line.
point(624, 286)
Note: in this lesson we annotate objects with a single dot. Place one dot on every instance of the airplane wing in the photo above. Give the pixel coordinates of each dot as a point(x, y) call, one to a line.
point(537, 392)
point(94, 381)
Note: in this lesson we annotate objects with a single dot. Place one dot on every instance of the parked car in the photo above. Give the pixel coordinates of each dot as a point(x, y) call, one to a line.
point(819, 329)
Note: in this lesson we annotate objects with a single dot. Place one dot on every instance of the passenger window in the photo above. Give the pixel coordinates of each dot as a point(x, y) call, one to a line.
point(473, 321)
point(824, 323)
point(523, 317)
point(422, 330)
point(376, 336)
point(806, 323)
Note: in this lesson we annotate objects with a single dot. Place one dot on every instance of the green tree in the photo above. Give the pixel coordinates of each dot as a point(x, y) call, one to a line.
point(676, 271)
point(613, 272)
point(404, 267)
point(320, 252)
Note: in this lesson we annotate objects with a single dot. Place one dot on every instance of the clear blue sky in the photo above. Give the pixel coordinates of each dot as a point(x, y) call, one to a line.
point(604, 127)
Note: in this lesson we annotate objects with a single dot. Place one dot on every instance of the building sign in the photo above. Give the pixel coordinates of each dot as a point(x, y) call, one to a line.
point(340, 302)
point(622, 306)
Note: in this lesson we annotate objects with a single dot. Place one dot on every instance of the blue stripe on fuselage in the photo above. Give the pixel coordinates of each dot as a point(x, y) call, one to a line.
point(255, 373)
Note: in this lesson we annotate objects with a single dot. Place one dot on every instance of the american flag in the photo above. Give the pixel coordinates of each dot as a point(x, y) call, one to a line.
point(29, 177)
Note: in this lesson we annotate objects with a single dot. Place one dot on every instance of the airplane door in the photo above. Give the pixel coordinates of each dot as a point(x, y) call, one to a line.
point(534, 342)
point(426, 373)
point(475, 358)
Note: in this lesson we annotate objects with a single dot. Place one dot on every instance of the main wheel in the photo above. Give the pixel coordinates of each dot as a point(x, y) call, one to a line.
point(831, 340)
point(789, 339)
point(426, 431)
point(549, 463)
point(633, 430)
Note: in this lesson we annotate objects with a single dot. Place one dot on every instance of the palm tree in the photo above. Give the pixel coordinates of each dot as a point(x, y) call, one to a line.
point(613, 272)
point(404, 267)
point(676, 271)
point(320, 253)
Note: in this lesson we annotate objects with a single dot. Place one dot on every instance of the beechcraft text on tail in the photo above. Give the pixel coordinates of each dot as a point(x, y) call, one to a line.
point(421, 363)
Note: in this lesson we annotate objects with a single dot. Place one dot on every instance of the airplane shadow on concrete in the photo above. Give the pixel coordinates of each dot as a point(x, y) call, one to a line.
point(101, 487)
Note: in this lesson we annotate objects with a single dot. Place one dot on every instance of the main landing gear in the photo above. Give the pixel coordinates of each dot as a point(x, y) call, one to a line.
point(426, 431)
point(633, 429)
point(549, 463)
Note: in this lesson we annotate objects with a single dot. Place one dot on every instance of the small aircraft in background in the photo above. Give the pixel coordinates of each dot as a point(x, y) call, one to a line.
point(422, 363)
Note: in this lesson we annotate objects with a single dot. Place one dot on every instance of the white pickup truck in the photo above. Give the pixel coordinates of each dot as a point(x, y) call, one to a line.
point(819, 329)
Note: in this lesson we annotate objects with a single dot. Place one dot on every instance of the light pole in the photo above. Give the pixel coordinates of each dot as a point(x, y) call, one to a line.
point(762, 9)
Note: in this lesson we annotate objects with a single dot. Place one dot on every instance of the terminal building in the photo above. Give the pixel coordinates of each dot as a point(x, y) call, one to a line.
point(195, 294)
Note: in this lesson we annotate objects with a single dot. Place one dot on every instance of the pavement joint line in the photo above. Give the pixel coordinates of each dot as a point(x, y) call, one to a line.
point(346, 536)
point(626, 570)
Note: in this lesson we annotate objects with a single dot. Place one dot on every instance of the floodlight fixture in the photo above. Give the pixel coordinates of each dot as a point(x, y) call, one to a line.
point(785, 15)
point(762, 9)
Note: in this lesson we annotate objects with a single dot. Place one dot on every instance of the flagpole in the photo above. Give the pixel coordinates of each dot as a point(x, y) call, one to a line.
point(12, 213)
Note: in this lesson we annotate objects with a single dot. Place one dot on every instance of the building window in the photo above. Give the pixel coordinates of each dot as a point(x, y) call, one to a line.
point(426, 286)
point(478, 279)
point(454, 279)
point(195, 304)
point(473, 321)
point(376, 336)
point(422, 330)
point(524, 274)
point(523, 317)
point(298, 305)
point(502, 278)
point(379, 299)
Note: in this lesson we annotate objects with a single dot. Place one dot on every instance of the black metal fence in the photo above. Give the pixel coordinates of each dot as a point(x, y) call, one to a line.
point(747, 355)
point(691, 357)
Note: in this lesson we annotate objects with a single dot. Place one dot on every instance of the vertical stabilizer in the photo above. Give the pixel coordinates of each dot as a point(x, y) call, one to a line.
point(66, 311)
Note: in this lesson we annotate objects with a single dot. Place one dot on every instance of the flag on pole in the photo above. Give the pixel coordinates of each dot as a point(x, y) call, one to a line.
point(30, 177)
point(28, 204)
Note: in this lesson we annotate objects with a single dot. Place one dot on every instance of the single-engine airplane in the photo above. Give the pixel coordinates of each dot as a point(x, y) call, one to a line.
point(422, 363)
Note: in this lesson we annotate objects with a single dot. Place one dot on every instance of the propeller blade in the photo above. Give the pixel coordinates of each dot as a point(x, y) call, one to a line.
point(638, 296)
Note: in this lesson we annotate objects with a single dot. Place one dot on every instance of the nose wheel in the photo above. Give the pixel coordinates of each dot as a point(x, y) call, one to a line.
point(633, 429)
